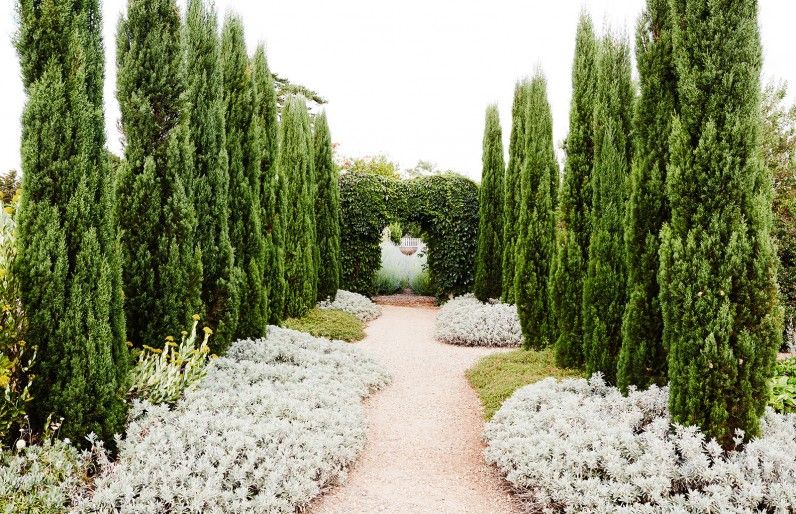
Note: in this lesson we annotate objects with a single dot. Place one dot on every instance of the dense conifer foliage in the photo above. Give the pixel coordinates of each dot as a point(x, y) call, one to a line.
point(327, 211)
point(722, 321)
point(574, 205)
point(488, 257)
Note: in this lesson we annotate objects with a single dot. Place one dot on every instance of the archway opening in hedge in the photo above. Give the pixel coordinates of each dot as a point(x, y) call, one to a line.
point(444, 208)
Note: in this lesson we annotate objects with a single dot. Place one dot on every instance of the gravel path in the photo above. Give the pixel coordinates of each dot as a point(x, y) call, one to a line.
point(424, 452)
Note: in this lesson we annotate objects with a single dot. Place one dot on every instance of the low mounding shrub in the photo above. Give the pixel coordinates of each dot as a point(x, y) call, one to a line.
point(271, 424)
point(384, 283)
point(580, 446)
point(353, 303)
point(467, 321)
point(783, 386)
point(329, 323)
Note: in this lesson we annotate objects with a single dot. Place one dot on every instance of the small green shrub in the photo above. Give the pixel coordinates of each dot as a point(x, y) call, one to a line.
point(162, 375)
point(386, 283)
point(782, 387)
point(496, 377)
point(422, 285)
point(329, 323)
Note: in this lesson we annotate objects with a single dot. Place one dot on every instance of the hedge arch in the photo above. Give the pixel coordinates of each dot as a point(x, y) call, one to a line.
point(444, 207)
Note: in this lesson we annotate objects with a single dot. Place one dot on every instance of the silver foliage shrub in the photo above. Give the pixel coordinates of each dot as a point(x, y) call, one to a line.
point(580, 446)
point(270, 425)
point(353, 303)
point(467, 321)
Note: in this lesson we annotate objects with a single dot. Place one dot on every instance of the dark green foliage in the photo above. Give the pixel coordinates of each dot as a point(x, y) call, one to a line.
point(488, 276)
point(604, 287)
point(244, 154)
point(210, 184)
point(365, 209)
point(301, 250)
point(722, 319)
point(273, 186)
point(511, 187)
point(642, 360)
point(574, 205)
point(327, 211)
point(536, 231)
point(162, 266)
point(68, 261)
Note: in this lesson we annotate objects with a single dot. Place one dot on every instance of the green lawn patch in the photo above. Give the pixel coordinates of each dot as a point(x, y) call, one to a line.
point(329, 323)
point(495, 377)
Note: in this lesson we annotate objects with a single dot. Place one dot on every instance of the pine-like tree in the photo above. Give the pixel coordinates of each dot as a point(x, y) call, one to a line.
point(272, 184)
point(642, 360)
point(511, 187)
point(162, 267)
point(722, 320)
point(327, 211)
point(574, 205)
point(296, 162)
point(488, 257)
point(244, 153)
point(536, 230)
point(68, 254)
point(210, 184)
point(605, 283)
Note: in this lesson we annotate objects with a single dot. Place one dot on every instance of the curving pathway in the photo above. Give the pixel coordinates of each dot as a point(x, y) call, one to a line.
point(424, 452)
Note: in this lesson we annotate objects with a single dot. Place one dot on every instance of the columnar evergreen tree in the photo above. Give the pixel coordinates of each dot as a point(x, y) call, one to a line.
point(642, 360)
point(327, 211)
point(68, 255)
point(511, 187)
point(722, 321)
point(605, 282)
point(297, 164)
point(536, 231)
point(574, 205)
point(244, 153)
point(210, 184)
point(488, 257)
point(162, 266)
point(272, 184)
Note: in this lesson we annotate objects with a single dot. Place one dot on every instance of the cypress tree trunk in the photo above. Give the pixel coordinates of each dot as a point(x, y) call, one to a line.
point(488, 276)
point(327, 211)
point(68, 255)
point(574, 205)
point(272, 185)
point(642, 360)
point(722, 320)
point(606, 278)
point(536, 231)
point(162, 267)
point(511, 186)
point(296, 163)
point(244, 152)
point(210, 185)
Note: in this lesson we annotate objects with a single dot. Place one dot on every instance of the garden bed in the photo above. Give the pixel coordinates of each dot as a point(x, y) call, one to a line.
point(406, 300)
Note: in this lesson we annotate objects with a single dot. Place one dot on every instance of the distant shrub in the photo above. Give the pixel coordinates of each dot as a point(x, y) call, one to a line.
point(422, 285)
point(329, 323)
point(468, 322)
point(386, 283)
point(782, 386)
point(581, 446)
point(360, 306)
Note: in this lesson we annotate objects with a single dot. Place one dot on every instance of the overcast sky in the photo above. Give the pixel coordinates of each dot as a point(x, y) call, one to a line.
point(409, 79)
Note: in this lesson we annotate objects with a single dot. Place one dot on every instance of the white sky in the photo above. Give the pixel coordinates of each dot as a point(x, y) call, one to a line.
point(410, 79)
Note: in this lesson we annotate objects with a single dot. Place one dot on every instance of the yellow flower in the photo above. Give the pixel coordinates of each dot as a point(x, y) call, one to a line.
point(196, 317)
point(184, 333)
point(169, 338)
point(130, 344)
point(157, 350)
point(172, 344)
point(9, 210)
point(208, 331)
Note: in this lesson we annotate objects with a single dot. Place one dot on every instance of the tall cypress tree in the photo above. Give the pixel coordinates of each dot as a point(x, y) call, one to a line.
point(536, 230)
point(210, 184)
point(296, 163)
point(272, 184)
point(162, 267)
point(722, 320)
point(604, 287)
point(244, 152)
point(68, 255)
point(327, 211)
point(574, 205)
point(488, 257)
point(642, 360)
point(511, 186)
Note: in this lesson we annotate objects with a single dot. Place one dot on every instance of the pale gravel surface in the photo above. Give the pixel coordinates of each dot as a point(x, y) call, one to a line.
point(424, 451)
